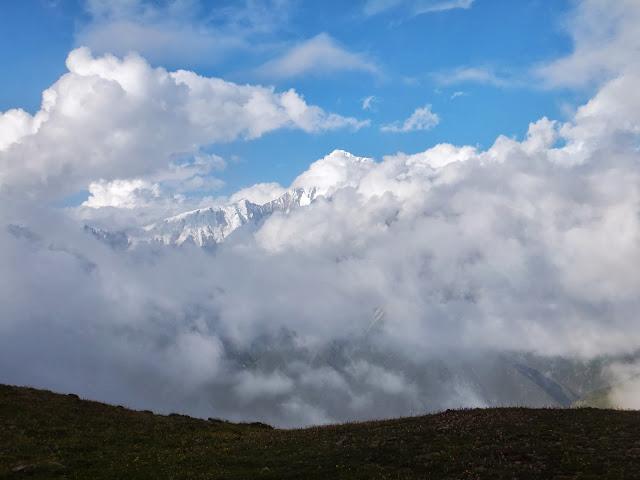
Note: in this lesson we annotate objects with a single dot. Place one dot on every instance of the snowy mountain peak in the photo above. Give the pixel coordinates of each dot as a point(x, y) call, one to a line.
point(210, 226)
point(298, 197)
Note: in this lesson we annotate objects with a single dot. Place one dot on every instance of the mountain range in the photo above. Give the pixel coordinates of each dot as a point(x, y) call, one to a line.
point(206, 227)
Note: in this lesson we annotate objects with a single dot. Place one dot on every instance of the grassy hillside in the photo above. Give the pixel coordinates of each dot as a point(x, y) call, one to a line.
point(47, 435)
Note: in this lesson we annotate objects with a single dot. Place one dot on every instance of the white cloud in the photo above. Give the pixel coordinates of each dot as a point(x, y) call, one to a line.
point(337, 170)
point(251, 386)
point(421, 119)
point(440, 156)
point(259, 193)
point(529, 246)
point(379, 378)
point(14, 125)
point(110, 118)
point(369, 102)
point(193, 174)
point(606, 41)
point(430, 6)
point(480, 75)
point(319, 55)
point(415, 7)
point(166, 31)
point(184, 32)
point(121, 193)
point(160, 193)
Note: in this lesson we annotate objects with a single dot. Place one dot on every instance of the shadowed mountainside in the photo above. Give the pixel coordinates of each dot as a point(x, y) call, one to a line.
point(49, 435)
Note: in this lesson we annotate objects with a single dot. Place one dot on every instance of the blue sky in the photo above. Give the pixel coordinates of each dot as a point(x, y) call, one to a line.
point(473, 64)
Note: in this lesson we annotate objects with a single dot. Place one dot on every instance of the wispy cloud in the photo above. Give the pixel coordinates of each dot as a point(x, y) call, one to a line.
point(369, 102)
point(421, 119)
point(414, 7)
point(480, 75)
point(178, 31)
point(318, 55)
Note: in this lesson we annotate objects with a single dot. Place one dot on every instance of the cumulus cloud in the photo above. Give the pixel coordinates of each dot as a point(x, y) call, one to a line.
point(440, 155)
point(187, 183)
point(421, 119)
point(14, 124)
point(337, 170)
point(319, 55)
point(115, 118)
point(606, 40)
point(121, 193)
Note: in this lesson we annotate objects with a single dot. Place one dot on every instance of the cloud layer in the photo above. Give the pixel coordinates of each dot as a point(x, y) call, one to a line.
point(400, 290)
point(414, 282)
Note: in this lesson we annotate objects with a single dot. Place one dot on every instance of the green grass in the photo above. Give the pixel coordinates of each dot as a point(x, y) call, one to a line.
point(47, 435)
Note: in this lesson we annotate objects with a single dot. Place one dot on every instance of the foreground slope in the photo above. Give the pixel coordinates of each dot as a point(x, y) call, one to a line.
point(47, 435)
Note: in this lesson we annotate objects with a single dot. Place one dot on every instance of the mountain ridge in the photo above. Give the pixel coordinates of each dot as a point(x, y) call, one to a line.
point(46, 434)
point(208, 226)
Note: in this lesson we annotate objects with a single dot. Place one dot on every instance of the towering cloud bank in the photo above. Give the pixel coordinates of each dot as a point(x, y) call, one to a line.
point(408, 284)
point(110, 118)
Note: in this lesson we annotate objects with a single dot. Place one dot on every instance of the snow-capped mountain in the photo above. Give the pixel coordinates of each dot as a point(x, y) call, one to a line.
point(210, 226)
